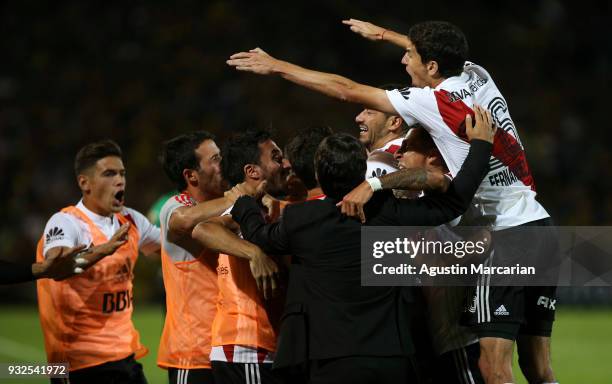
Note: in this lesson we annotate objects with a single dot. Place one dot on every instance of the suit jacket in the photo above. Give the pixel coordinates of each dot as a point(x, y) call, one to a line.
point(328, 313)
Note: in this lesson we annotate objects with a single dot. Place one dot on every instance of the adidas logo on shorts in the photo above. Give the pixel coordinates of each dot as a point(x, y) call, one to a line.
point(501, 311)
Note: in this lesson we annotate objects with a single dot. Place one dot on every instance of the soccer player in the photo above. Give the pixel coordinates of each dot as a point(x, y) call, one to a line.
point(455, 347)
point(382, 134)
point(444, 88)
point(192, 162)
point(243, 331)
point(334, 329)
point(87, 319)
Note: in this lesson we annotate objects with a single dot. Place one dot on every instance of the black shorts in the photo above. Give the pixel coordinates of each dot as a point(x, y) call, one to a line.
point(459, 366)
point(190, 376)
point(124, 371)
point(507, 311)
point(244, 373)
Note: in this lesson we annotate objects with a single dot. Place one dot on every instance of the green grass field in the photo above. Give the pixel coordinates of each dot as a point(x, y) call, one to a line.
point(582, 340)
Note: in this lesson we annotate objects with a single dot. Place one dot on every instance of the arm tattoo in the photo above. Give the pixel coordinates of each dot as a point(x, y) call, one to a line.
point(415, 179)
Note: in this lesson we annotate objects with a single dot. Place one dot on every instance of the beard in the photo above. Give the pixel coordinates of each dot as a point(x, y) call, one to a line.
point(277, 187)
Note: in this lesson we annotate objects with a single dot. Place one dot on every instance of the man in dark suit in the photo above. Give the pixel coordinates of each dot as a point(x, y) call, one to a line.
point(334, 330)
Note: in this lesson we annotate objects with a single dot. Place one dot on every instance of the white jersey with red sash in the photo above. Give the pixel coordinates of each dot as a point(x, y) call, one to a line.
point(506, 196)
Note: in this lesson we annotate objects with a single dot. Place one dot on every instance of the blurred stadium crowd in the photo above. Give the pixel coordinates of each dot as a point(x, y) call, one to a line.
point(141, 72)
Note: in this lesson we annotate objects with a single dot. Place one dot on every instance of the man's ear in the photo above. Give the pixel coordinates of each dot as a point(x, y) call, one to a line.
point(432, 68)
point(83, 181)
point(252, 171)
point(434, 160)
point(395, 124)
point(190, 176)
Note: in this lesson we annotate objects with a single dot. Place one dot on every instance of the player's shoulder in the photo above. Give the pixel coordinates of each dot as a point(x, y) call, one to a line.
point(183, 199)
point(380, 163)
point(63, 218)
point(176, 201)
point(62, 228)
point(471, 68)
point(408, 93)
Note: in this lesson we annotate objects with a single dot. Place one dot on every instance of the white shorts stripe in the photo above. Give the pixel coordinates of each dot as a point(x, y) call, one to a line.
point(247, 374)
point(257, 374)
point(488, 310)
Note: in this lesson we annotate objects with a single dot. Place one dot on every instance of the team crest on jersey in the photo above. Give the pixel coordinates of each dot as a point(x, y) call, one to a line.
point(54, 234)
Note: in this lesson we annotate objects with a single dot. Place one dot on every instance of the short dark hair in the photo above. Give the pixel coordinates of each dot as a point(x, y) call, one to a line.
point(442, 42)
point(179, 153)
point(239, 150)
point(423, 142)
point(340, 162)
point(301, 152)
point(89, 155)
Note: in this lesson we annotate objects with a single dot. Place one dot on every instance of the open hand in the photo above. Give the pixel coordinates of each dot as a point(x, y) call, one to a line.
point(365, 29)
point(255, 60)
point(265, 273)
point(60, 266)
point(484, 128)
point(98, 252)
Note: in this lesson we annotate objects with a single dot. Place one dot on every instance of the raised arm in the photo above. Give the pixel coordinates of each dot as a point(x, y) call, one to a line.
point(259, 62)
point(376, 33)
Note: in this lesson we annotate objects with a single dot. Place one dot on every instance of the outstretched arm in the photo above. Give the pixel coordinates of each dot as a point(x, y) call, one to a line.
point(376, 33)
point(259, 62)
point(62, 262)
